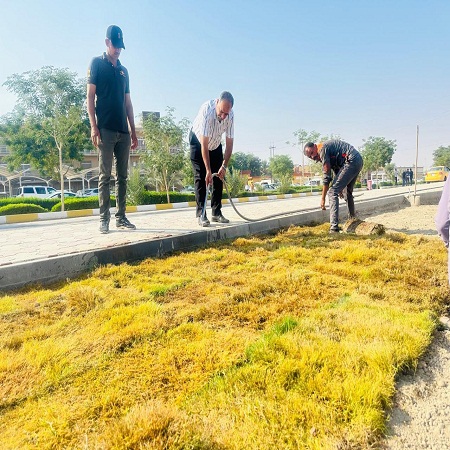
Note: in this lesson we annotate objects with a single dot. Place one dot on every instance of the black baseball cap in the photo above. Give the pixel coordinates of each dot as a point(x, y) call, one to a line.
point(115, 35)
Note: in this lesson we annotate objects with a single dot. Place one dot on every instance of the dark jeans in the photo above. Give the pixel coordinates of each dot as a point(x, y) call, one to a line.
point(113, 145)
point(343, 182)
point(215, 160)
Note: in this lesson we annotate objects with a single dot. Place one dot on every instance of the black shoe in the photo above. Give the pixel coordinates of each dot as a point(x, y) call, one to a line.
point(104, 226)
point(123, 222)
point(203, 221)
point(220, 219)
point(335, 230)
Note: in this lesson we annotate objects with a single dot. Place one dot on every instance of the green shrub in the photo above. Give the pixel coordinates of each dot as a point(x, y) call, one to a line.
point(21, 208)
point(241, 194)
point(155, 198)
point(285, 185)
point(177, 197)
point(75, 203)
point(235, 182)
point(310, 188)
point(135, 188)
point(46, 203)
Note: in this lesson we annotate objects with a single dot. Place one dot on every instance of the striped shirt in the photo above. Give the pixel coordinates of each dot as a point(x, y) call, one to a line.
point(207, 124)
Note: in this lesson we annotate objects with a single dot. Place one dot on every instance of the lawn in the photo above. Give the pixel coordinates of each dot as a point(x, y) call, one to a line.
point(287, 341)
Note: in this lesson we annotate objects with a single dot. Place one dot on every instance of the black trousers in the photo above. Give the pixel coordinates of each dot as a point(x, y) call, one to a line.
point(215, 160)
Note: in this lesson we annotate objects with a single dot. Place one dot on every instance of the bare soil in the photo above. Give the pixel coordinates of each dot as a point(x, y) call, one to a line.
point(420, 418)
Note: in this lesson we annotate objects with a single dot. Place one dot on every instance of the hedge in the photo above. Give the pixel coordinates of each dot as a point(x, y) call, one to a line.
point(46, 203)
point(148, 197)
point(21, 208)
point(75, 203)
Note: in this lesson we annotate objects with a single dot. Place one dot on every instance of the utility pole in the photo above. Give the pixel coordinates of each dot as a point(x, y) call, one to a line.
point(272, 151)
point(415, 169)
point(303, 161)
point(272, 154)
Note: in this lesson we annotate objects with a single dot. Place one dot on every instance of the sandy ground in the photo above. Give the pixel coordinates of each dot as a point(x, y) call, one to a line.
point(420, 418)
point(410, 220)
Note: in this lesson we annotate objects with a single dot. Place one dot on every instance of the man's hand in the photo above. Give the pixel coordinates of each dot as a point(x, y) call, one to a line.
point(322, 204)
point(222, 172)
point(208, 178)
point(95, 136)
point(134, 141)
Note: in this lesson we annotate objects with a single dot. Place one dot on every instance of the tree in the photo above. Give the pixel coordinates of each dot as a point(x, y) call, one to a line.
point(49, 123)
point(390, 172)
point(329, 137)
point(441, 156)
point(377, 152)
point(264, 167)
point(164, 140)
point(246, 161)
point(303, 137)
point(187, 171)
point(281, 165)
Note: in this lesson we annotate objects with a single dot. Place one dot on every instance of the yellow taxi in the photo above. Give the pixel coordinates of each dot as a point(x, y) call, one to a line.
point(438, 173)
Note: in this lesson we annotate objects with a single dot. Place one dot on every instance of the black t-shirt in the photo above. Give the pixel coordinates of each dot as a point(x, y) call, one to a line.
point(111, 85)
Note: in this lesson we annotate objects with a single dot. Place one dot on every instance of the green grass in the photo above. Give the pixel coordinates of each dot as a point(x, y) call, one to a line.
point(289, 341)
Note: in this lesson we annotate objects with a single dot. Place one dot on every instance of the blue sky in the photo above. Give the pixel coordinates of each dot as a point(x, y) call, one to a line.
point(353, 68)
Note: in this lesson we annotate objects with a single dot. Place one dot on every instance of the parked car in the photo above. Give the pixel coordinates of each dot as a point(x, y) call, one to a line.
point(438, 173)
point(87, 192)
point(35, 191)
point(57, 194)
point(268, 187)
point(188, 190)
point(312, 183)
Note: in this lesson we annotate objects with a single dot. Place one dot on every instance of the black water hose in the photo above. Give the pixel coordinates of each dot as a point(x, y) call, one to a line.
point(247, 218)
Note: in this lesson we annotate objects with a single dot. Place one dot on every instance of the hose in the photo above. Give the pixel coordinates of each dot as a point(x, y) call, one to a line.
point(247, 219)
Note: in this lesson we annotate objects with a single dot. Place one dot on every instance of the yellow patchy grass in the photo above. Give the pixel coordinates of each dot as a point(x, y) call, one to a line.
point(288, 341)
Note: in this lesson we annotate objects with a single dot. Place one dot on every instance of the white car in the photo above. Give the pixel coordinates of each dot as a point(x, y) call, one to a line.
point(87, 192)
point(35, 191)
point(187, 190)
point(57, 194)
point(312, 183)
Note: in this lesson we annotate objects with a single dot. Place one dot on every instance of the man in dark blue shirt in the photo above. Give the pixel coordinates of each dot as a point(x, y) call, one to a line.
point(345, 162)
point(111, 117)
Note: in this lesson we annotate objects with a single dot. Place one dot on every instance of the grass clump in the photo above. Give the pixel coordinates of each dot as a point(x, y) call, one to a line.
point(286, 341)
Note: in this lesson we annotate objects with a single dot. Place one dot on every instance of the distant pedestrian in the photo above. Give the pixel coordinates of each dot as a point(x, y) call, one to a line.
point(395, 176)
point(215, 118)
point(442, 218)
point(111, 117)
point(404, 178)
point(346, 163)
point(410, 177)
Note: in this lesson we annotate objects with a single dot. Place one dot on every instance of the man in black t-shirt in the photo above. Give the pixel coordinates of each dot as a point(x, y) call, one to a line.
point(346, 163)
point(111, 117)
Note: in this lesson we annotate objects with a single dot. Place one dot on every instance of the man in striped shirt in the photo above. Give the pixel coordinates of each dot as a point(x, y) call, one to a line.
point(215, 118)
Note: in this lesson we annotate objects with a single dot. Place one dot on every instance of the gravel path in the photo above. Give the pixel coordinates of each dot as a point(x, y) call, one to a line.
point(420, 418)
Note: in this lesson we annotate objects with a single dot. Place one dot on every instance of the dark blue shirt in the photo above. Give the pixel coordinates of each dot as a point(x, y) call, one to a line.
point(111, 85)
point(334, 154)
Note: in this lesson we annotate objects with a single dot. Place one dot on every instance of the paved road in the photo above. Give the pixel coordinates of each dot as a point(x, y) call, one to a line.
point(25, 243)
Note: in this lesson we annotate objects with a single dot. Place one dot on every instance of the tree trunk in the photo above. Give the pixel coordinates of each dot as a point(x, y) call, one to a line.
point(61, 176)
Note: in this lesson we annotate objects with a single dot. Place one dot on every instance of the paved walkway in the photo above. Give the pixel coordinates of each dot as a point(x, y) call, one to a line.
point(47, 250)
